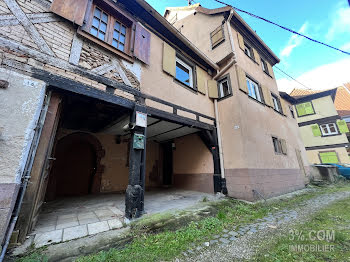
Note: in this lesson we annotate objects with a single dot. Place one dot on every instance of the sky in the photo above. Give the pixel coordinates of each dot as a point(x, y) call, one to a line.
point(314, 65)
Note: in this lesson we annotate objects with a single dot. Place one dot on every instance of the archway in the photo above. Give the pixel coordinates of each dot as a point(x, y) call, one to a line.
point(76, 170)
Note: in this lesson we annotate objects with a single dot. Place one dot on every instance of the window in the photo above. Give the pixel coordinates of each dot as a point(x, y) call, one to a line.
point(224, 87)
point(112, 30)
point(184, 73)
point(119, 34)
point(291, 111)
point(253, 90)
point(264, 66)
point(99, 24)
point(248, 50)
point(277, 145)
point(329, 158)
point(305, 109)
point(276, 103)
point(329, 129)
point(217, 36)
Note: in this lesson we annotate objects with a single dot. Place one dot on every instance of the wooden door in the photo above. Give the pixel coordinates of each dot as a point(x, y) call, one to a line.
point(74, 167)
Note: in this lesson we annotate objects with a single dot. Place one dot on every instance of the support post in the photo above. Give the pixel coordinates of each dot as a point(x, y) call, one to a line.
point(135, 190)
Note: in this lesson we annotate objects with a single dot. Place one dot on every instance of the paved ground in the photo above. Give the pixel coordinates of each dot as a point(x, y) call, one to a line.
point(240, 244)
point(71, 218)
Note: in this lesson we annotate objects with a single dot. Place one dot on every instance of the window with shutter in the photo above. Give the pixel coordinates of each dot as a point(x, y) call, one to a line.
point(217, 36)
point(264, 66)
point(254, 90)
point(111, 28)
point(276, 103)
point(279, 145)
point(329, 129)
point(329, 157)
point(224, 87)
point(305, 109)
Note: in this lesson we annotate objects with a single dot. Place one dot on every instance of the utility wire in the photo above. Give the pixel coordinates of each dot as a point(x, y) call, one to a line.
point(292, 78)
point(283, 27)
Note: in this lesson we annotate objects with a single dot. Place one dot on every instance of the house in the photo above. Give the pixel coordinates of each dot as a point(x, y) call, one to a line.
point(98, 97)
point(321, 126)
point(341, 103)
point(263, 153)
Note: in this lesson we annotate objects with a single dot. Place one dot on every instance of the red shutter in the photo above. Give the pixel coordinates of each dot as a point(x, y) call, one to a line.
point(72, 10)
point(142, 44)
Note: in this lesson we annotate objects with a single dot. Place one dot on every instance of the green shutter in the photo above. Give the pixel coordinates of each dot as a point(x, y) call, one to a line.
point(343, 127)
point(308, 108)
point(316, 130)
point(305, 109)
point(329, 158)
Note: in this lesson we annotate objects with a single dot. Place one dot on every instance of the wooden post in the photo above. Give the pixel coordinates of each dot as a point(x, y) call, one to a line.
point(135, 190)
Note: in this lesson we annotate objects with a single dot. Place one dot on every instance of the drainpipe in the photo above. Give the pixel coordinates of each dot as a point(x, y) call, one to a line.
point(220, 73)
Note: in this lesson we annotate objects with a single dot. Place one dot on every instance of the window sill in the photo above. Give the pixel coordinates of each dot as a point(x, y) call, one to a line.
point(306, 115)
point(217, 44)
point(256, 100)
point(279, 112)
point(105, 45)
point(186, 86)
point(331, 135)
point(268, 74)
point(224, 97)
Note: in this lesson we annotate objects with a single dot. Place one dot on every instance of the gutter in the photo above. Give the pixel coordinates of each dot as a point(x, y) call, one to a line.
point(173, 30)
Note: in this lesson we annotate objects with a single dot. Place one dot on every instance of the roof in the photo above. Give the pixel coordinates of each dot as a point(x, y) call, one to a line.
point(198, 8)
point(152, 19)
point(302, 95)
point(341, 97)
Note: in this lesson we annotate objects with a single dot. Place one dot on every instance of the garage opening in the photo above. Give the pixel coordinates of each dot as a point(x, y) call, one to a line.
point(83, 186)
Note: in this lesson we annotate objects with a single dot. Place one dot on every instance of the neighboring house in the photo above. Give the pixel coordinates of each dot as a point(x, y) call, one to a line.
point(321, 127)
point(86, 87)
point(263, 153)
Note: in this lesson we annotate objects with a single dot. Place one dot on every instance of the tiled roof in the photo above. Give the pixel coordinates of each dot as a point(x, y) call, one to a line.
point(303, 92)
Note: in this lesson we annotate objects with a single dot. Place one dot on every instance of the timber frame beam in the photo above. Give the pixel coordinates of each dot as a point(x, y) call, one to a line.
point(67, 84)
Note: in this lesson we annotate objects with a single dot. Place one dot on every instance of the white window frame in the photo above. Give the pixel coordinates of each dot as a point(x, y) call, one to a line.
point(190, 70)
point(247, 50)
point(275, 103)
point(327, 127)
point(221, 90)
point(264, 66)
point(253, 86)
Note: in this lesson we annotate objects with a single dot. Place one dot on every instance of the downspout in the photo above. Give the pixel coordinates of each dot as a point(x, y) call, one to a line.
point(218, 129)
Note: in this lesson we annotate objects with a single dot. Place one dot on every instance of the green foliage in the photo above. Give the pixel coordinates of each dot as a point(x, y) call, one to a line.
point(33, 257)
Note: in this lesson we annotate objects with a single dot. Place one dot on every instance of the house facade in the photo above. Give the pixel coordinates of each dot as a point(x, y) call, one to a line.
point(99, 97)
point(263, 153)
point(322, 118)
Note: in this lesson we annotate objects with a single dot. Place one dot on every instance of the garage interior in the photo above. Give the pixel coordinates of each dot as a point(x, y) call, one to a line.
point(89, 168)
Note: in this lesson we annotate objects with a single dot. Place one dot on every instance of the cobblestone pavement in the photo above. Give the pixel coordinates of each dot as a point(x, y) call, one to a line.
point(240, 243)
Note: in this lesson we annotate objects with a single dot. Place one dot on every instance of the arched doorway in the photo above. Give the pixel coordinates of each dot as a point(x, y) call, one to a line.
point(76, 170)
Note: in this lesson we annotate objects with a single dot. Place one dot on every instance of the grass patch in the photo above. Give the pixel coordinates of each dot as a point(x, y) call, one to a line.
point(328, 231)
point(34, 257)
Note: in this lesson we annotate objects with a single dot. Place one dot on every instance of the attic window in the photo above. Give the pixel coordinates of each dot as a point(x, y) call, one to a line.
point(217, 36)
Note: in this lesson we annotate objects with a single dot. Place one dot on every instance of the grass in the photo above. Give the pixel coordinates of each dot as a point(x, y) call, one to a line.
point(158, 245)
point(334, 220)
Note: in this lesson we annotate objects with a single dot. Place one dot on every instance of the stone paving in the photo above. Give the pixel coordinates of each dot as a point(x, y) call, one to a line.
point(71, 218)
point(238, 238)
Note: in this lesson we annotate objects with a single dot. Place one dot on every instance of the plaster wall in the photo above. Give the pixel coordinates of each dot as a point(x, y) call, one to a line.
point(193, 166)
point(157, 83)
point(20, 107)
point(324, 107)
point(197, 28)
point(311, 140)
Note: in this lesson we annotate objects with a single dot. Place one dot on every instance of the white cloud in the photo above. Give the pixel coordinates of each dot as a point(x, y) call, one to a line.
point(294, 41)
point(345, 47)
point(320, 78)
point(340, 23)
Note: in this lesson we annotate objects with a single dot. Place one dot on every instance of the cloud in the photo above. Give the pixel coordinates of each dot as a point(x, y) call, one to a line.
point(320, 78)
point(345, 47)
point(293, 42)
point(340, 22)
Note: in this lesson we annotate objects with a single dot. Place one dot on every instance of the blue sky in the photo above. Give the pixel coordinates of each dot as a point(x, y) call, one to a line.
point(325, 20)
